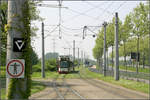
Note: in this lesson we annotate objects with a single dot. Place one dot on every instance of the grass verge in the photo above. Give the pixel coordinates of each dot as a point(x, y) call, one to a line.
point(138, 86)
point(145, 70)
point(131, 68)
point(36, 87)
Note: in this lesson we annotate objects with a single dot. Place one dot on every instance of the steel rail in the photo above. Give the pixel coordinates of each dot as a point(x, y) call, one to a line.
point(103, 86)
point(72, 90)
point(56, 88)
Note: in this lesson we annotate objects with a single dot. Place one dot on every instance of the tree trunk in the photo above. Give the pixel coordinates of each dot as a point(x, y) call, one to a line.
point(143, 60)
point(18, 21)
point(137, 55)
point(112, 57)
point(125, 64)
point(107, 67)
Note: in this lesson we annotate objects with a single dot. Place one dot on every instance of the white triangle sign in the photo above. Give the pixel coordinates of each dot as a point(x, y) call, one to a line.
point(19, 46)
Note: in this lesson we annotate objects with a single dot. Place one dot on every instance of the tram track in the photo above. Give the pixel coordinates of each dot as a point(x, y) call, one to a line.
point(72, 90)
point(62, 90)
point(104, 87)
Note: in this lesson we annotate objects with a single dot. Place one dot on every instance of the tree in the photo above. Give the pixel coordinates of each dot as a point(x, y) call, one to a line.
point(98, 49)
point(34, 57)
point(139, 19)
point(125, 34)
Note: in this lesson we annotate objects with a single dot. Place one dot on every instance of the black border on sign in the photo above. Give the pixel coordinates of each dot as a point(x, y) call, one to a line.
point(19, 73)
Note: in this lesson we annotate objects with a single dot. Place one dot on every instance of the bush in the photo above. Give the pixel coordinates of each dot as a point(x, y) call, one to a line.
point(36, 68)
point(50, 65)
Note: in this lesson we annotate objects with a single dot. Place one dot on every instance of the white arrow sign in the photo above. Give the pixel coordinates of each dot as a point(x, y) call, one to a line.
point(21, 44)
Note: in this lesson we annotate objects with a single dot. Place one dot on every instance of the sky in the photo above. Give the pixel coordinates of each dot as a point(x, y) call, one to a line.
point(74, 16)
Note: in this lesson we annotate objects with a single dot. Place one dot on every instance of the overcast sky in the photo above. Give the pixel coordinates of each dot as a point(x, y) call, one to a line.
point(73, 19)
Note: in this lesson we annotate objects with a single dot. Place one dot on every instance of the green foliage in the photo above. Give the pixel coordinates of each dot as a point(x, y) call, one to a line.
point(37, 87)
point(36, 68)
point(139, 19)
point(136, 25)
point(50, 65)
point(75, 62)
point(34, 57)
point(3, 32)
point(130, 68)
point(98, 49)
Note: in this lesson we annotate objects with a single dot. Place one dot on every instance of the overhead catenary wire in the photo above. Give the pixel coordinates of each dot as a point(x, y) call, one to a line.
point(66, 28)
point(81, 13)
point(71, 28)
point(119, 7)
point(51, 32)
point(60, 4)
point(92, 31)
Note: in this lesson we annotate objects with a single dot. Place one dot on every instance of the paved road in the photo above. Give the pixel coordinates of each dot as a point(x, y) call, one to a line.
point(84, 89)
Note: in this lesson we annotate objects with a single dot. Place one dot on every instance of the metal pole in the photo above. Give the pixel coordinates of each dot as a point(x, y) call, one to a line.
point(116, 74)
point(78, 57)
point(69, 52)
point(107, 64)
point(104, 71)
point(43, 58)
point(73, 52)
point(82, 57)
point(60, 5)
point(54, 48)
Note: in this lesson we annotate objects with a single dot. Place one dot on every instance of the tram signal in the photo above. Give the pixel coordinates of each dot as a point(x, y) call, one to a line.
point(134, 56)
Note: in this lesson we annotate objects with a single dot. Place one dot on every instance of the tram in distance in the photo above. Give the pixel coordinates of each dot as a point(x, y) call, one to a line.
point(64, 65)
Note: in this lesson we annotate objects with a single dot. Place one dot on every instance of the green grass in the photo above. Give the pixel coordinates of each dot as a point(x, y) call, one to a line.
point(145, 70)
point(138, 86)
point(48, 74)
point(131, 68)
point(36, 87)
point(54, 74)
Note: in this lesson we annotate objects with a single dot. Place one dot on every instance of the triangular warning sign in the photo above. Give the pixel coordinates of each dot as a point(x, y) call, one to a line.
point(19, 44)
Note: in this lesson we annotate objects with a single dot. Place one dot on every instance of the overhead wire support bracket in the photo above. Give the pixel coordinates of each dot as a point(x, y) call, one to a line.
point(87, 27)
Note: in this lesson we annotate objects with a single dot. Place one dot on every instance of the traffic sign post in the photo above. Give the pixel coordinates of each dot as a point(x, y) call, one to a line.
point(15, 68)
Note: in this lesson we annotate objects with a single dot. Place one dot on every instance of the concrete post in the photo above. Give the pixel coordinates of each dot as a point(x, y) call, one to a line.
point(104, 71)
point(43, 57)
point(116, 74)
